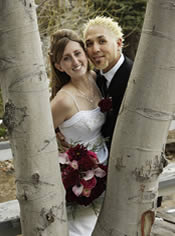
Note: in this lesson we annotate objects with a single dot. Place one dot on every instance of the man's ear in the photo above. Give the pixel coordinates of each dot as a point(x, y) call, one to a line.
point(58, 66)
point(119, 42)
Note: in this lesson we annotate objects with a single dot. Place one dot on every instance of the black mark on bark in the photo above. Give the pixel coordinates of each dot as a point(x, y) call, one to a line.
point(36, 178)
point(13, 116)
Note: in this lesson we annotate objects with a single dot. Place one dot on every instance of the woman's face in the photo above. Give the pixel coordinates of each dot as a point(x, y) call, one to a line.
point(74, 61)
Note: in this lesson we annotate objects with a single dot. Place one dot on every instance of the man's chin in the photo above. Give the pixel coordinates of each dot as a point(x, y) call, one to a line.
point(100, 66)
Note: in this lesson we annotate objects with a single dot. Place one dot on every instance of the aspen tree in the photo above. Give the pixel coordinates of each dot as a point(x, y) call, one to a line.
point(28, 118)
point(137, 154)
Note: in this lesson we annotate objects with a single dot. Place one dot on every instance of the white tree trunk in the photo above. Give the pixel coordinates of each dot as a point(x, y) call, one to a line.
point(28, 118)
point(137, 155)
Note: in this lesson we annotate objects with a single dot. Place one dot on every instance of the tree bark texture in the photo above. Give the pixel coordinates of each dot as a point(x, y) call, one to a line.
point(137, 155)
point(28, 118)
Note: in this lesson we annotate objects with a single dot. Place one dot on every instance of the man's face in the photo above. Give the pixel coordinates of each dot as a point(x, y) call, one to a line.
point(103, 48)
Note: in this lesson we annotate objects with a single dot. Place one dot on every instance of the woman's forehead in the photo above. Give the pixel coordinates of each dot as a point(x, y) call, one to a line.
point(72, 46)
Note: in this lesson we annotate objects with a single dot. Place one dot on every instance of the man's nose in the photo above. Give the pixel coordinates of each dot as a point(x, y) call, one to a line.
point(96, 47)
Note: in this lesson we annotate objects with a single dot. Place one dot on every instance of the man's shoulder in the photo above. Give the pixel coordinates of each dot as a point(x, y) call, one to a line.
point(127, 62)
point(125, 67)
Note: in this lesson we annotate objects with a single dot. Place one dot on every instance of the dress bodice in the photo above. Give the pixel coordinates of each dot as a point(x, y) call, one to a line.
point(84, 127)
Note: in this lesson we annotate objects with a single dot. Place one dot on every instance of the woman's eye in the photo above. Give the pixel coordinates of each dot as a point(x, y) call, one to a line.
point(77, 53)
point(65, 58)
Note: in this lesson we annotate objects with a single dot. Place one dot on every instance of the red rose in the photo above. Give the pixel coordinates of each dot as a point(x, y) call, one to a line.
point(89, 184)
point(86, 163)
point(77, 152)
point(70, 177)
point(93, 155)
point(105, 104)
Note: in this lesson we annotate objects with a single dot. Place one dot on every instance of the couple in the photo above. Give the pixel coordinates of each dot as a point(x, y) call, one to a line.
point(75, 95)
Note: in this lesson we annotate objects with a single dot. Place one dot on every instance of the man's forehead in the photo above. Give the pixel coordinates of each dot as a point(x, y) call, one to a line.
point(94, 37)
point(97, 32)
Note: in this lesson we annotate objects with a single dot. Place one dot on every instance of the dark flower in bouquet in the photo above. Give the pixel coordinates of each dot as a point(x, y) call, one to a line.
point(105, 104)
point(84, 178)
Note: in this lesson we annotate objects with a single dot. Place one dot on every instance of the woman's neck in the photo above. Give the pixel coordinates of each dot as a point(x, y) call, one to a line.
point(82, 82)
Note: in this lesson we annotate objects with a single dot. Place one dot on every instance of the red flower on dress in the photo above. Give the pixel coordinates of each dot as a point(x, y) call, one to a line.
point(84, 178)
point(105, 104)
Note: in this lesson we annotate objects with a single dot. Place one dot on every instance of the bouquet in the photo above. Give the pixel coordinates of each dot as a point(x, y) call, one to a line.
point(84, 178)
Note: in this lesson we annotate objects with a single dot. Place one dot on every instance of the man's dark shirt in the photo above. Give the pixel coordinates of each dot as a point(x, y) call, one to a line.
point(116, 90)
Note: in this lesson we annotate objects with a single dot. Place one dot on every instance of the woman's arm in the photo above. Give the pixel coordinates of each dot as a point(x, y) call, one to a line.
point(60, 107)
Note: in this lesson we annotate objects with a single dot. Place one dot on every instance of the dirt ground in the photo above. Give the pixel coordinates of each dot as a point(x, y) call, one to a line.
point(7, 180)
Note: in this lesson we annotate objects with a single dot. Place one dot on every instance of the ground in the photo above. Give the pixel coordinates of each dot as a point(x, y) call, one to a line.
point(7, 181)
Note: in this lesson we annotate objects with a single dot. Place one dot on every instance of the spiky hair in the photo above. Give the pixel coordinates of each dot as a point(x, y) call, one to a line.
point(106, 22)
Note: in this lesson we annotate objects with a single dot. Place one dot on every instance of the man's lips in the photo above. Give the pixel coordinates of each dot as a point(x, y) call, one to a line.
point(98, 58)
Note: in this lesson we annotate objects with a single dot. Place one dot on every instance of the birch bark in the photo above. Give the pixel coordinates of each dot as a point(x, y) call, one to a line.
point(137, 155)
point(28, 119)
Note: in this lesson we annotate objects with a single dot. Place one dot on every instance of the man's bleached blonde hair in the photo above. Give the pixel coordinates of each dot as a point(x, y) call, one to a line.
point(106, 22)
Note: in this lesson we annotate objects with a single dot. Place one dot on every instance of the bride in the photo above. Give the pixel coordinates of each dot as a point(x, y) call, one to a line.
point(75, 111)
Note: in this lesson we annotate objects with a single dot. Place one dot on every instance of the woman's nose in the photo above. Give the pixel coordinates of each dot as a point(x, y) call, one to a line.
point(75, 60)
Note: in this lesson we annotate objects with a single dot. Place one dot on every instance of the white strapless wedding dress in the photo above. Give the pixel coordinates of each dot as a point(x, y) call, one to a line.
point(85, 127)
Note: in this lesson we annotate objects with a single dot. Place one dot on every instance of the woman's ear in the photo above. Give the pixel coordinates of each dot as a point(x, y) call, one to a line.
point(58, 66)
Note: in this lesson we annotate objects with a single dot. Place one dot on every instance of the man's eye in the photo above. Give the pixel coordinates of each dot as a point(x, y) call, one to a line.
point(88, 45)
point(102, 41)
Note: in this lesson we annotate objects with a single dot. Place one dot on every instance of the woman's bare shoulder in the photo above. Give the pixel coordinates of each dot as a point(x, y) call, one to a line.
point(63, 99)
point(61, 107)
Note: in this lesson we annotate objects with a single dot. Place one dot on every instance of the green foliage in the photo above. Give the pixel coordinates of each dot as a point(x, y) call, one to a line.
point(1, 106)
point(129, 14)
point(53, 15)
point(3, 132)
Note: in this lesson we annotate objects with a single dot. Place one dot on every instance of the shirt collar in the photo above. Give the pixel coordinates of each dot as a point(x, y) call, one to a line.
point(109, 75)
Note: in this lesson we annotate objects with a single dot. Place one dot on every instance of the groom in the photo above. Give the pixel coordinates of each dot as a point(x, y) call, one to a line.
point(104, 41)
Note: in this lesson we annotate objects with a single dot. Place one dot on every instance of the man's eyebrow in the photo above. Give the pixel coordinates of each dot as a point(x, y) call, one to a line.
point(101, 36)
point(88, 40)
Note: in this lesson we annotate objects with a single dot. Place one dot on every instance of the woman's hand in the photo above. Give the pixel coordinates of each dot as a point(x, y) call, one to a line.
point(63, 145)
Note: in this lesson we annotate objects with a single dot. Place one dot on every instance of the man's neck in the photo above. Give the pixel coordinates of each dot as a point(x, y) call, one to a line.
point(110, 74)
